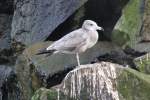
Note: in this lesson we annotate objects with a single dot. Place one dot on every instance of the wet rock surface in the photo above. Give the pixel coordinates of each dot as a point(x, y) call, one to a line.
point(100, 81)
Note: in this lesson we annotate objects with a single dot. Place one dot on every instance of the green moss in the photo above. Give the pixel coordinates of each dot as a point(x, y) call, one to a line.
point(121, 39)
point(143, 64)
point(52, 95)
point(129, 23)
point(133, 85)
point(45, 94)
point(49, 94)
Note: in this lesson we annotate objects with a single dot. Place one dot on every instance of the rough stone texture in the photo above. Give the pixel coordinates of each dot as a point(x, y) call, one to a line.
point(100, 81)
point(145, 31)
point(28, 77)
point(142, 47)
point(5, 28)
point(128, 27)
point(34, 20)
point(143, 63)
point(6, 55)
point(9, 88)
point(35, 71)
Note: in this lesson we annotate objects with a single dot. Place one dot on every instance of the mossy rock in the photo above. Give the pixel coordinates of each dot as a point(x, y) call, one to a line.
point(143, 63)
point(45, 94)
point(128, 26)
point(49, 94)
point(119, 83)
point(33, 70)
point(133, 85)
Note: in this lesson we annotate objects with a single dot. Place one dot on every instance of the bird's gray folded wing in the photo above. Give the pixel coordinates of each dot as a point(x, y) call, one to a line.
point(70, 41)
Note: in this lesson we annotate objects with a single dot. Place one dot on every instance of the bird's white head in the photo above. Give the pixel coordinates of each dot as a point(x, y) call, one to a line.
point(91, 25)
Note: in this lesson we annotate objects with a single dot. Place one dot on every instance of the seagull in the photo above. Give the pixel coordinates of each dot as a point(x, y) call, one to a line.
point(75, 42)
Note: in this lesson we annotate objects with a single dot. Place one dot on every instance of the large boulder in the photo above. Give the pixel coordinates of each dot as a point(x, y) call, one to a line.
point(35, 71)
point(34, 20)
point(132, 29)
point(99, 81)
point(127, 29)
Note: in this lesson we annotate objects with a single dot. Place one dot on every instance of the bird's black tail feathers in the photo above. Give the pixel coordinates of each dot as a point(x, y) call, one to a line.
point(44, 51)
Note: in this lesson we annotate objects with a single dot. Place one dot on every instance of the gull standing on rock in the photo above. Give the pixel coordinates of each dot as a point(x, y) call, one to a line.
point(75, 42)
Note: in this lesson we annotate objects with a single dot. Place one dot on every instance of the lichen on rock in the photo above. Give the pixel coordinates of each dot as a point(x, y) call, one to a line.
point(129, 25)
point(143, 63)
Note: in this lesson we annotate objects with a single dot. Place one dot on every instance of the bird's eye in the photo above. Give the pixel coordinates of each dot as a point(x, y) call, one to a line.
point(91, 24)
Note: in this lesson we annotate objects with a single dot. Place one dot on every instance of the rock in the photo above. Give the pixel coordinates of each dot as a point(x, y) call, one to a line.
point(143, 63)
point(34, 20)
point(6, 51)
point(145, 32)
point(99, 81)
point(142, 47)
point(133, 85)
point(127, 29)
point(118, 58)
point(132, 29)
point(9, 87)
point(5, 28)
point(35, 71)
point(46, 94)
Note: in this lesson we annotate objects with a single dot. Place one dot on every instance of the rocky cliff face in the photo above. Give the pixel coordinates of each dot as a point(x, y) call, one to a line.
point(26, 25)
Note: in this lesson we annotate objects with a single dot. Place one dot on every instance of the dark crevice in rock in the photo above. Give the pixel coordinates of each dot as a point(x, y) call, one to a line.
point(6, 56)
point(6, 15)
point(133, 53)
point(62, 29)
point(126, 60)
point(7, 6)
point(115, 58)
point(9, 88)
point(17, 47)
point(57, 78)
point(105, 12)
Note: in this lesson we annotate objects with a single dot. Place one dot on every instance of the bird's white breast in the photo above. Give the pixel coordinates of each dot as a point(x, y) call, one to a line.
point(93, 35)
